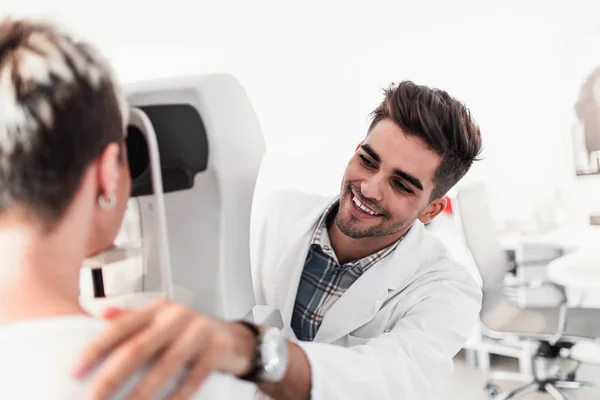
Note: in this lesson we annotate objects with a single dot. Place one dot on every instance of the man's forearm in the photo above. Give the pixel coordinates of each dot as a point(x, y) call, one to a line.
point(296, 383)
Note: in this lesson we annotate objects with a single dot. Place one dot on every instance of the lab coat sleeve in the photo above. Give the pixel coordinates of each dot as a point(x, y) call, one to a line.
point(407, 361)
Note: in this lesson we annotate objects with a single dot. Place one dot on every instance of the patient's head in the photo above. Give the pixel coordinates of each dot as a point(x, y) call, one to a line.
point(62, 158)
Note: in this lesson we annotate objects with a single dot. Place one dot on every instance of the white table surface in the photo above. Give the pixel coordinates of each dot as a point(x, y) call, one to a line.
point(579, 273)
point(571, 238)
point(578, 270)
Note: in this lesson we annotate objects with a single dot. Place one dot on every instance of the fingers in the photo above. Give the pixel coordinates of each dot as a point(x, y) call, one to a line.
point(116, 333)
point(172, 361)
point(190, 384)
point(135, 353)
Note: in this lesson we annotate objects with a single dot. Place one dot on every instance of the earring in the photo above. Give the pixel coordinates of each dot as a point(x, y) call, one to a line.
point(107, 204)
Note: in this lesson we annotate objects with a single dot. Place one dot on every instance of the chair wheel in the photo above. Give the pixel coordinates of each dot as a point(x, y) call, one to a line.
point(492, 390)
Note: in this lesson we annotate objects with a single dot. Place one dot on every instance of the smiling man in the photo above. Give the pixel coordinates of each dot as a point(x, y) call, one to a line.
point(373, 306)
point(377, 304)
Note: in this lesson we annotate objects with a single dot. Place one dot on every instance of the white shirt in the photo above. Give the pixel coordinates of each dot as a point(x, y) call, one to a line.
point(37, 357)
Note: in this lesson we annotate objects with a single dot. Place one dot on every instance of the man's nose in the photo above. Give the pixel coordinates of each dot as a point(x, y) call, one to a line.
point(372, 188)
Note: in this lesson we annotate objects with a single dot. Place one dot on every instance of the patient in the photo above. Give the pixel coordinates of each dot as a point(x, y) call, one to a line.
point(64, 185)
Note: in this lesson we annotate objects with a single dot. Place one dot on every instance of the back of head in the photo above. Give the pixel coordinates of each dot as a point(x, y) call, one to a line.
point(59, 108)
point(441, 121)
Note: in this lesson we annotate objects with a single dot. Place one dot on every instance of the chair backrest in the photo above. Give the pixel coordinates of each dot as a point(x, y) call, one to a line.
point(481, 234)
point(483, 241)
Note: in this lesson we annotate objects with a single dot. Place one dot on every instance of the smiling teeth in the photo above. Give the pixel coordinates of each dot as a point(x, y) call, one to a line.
point(362, 207)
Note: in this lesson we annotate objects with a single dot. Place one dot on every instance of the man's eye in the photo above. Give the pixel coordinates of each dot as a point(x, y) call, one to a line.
point(400, 186)
point(366, 162)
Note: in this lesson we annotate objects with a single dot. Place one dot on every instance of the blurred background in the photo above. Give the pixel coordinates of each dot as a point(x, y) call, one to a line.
point(314, 70)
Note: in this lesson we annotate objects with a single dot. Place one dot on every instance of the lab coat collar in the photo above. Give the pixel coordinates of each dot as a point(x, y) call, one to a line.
point(361, 302)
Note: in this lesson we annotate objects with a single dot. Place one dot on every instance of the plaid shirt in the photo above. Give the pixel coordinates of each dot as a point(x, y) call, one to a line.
point(324, 280)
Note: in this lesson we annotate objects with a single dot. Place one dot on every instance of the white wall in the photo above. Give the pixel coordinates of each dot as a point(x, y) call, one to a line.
point(314, 71)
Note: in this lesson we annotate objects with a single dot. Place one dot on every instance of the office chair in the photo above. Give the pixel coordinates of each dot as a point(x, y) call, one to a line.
point(544, 319)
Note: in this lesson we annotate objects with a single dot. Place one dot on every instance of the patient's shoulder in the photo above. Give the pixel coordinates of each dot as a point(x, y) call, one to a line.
point(216, 386)
point(45, 350)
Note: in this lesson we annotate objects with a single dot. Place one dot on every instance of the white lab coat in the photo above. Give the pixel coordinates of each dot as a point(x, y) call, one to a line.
point(394, 332)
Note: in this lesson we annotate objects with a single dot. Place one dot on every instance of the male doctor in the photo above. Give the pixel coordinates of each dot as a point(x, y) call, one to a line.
point(373, 306)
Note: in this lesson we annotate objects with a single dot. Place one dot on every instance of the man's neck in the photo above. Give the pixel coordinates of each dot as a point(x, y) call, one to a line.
point(348, 249)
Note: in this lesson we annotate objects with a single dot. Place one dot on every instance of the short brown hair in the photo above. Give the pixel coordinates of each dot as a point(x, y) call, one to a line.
point(59, 109)
point(441, 121)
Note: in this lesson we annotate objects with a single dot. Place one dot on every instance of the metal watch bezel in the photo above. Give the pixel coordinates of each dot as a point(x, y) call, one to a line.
point(272, 356)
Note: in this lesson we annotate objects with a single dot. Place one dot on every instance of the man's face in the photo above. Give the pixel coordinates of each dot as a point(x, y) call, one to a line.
point(391, 175)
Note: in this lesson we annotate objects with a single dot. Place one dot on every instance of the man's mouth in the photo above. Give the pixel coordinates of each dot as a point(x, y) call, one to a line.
point(360, 206)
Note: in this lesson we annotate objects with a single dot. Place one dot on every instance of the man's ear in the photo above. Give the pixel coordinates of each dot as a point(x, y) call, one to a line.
point(433, 210)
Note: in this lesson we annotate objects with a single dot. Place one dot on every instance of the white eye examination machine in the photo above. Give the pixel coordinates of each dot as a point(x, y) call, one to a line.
point(211, 147)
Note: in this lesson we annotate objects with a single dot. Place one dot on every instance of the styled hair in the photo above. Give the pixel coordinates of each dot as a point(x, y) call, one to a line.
point(59, 109)
point(441, 121)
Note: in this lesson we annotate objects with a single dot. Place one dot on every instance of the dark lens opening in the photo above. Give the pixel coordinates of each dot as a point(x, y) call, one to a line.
point(137, 152)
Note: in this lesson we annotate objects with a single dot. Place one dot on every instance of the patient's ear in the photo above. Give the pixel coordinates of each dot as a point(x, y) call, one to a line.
point(108, 170)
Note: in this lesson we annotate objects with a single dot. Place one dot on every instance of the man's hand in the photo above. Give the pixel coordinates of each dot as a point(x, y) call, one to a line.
point(178, 336)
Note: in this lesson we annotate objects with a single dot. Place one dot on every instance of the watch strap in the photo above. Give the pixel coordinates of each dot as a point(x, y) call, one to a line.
point(252, 375)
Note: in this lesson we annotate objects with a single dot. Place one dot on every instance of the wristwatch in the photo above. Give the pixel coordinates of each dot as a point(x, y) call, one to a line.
point(272, 357)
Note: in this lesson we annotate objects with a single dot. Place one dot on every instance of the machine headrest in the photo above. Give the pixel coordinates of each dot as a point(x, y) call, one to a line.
point(182, 143)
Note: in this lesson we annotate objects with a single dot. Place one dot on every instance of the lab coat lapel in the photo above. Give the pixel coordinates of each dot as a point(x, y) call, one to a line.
point(289, 269)
point(355, 307)
point(289, 279)
point(361, 302)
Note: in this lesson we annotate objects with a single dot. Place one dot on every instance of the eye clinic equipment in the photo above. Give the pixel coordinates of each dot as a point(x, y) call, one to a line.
point(211, 147)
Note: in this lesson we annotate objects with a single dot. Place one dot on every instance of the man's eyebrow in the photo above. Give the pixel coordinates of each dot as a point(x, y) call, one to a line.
point(413, 180)
point(369, 150)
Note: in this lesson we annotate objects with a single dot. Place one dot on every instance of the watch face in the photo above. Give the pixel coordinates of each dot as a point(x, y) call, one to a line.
point(274, 355)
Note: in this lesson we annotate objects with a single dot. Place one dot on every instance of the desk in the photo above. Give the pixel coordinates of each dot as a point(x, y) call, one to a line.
point(533, 252)
point(579, 273)
point(571, 238)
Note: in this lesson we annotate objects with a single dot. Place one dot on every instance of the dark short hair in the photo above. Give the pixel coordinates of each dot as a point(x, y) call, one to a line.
point(59, 109)
point(441, 121)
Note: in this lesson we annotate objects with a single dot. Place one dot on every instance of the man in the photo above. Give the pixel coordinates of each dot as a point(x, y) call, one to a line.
point(375, 307)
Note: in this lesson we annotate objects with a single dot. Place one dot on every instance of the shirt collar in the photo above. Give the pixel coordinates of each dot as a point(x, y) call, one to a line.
point(321, 239)
point(321, 234)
